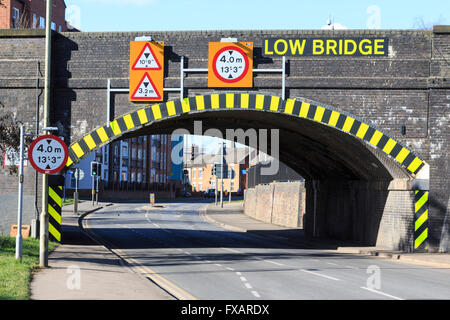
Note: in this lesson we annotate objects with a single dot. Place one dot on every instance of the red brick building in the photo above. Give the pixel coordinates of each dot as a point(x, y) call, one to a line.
point(30, 14)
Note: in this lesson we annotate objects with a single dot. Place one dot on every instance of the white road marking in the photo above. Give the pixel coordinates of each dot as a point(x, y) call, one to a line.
point(351, 267)
point(331, 263)
point(239, 274)
point(256, 294)
point(273, 262)
point(247, 285)
point(231, 250)
point(382, 293)
point(229, 268)
point(320, 275)
point(217, 264)
point(243, 279)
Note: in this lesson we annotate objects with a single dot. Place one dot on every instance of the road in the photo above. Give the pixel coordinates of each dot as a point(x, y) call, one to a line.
point(204, 261)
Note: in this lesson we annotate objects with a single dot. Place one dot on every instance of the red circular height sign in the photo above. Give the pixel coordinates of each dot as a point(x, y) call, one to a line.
point(48, 154)
point(230, 64)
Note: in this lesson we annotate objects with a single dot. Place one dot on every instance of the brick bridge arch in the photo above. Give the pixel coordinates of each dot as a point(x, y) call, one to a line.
point(295, 108)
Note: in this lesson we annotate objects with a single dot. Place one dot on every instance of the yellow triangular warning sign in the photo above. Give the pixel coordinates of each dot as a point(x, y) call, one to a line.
point(146, 90)
point(146, 60)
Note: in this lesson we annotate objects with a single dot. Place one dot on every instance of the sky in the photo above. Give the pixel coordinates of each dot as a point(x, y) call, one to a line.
point(169, 15)
point(162, 15)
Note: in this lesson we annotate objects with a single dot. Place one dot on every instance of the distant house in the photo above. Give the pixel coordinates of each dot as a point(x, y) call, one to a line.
point(199, 170)
point(30, 14)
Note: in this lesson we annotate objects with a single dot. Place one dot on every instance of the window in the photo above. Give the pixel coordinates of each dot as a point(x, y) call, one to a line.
point(59, 29)
point(193, 173)
point(124, 176)
point(200, 185)
point(133, 177)
point(200, 172)
point(53, 26)
point(41, 22)
point(34, 21)
point(15, 18)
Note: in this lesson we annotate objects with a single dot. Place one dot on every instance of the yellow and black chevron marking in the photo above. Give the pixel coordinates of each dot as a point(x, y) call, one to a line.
point(420, 220)
point(55, 193)
point(238, 101)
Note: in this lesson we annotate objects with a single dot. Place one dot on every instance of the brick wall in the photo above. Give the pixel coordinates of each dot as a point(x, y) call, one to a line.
point(409, 87)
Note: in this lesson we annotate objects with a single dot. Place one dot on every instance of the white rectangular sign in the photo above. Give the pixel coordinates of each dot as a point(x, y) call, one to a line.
point(12, 157)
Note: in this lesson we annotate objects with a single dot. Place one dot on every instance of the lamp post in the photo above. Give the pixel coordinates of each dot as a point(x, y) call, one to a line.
point(43, 240)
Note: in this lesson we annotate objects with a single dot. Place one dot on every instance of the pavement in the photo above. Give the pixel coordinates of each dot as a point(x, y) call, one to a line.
point(82, 269)
point(231, 217)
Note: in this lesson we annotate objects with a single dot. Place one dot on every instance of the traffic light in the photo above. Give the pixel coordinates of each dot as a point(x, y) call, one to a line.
point(95, 168)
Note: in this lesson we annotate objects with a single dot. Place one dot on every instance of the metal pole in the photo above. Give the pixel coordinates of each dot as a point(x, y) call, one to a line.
point(181, 77)
point(36, 174)
point(229, 176)
point(93, 189)
point(221, 174)
point(43, 241)
point(283, 80)
point(75, 195)
point(215, 190)
point(108, 103)
point(96, 190)
point(19, 205)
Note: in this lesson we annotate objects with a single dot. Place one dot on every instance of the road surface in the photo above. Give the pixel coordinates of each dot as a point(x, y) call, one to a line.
point(204, 261)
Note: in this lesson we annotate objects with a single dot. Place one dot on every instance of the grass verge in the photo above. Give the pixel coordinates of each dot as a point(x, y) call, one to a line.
point(15, 276)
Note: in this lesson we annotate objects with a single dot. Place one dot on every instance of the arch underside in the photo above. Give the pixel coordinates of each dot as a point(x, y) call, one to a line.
point(317, 141)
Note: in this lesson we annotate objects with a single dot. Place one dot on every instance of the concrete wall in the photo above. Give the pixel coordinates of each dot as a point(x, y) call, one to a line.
point(366, 213)
point(280, 203)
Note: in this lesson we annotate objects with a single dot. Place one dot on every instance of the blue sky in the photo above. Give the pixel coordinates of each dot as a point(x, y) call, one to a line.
point(147, 15)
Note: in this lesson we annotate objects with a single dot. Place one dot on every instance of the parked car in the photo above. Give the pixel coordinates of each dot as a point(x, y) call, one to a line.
point(186, 194)
point(210, 193)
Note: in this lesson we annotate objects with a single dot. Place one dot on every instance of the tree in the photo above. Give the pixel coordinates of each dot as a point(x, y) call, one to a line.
point(9, 134)
point(420, 23)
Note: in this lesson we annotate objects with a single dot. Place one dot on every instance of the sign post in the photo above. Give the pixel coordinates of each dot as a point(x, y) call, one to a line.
point(48, 155)
point(19, 206)
point(79, 175)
